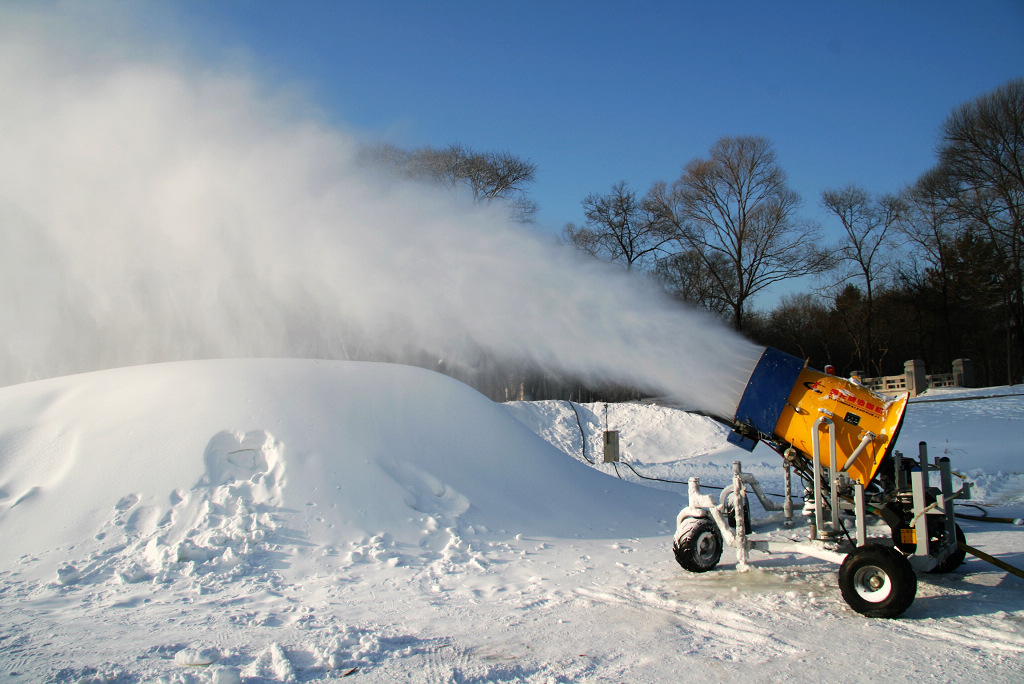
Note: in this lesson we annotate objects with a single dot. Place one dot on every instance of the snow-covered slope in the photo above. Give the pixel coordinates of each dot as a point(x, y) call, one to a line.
point(278, 520)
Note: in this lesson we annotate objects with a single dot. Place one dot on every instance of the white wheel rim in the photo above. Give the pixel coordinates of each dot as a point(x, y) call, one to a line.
point(872, 583)
point(705, 547)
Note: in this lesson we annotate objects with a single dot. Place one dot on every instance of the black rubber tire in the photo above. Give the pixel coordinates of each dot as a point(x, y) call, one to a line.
point(730, 511)
point(699, 548)
point(728, 501)
point(955, 559)
point(877, 581)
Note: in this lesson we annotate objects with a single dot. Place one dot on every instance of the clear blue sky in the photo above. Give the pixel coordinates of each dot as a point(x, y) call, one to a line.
point(597, 92)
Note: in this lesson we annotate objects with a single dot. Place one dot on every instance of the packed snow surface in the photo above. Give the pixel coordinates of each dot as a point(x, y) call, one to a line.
point(293, 521)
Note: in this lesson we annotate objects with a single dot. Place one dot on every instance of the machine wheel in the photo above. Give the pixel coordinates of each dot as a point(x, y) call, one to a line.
point(955, 559)
point(729, 501)
point(730, 511)
point(877, 581)
point(699, 547)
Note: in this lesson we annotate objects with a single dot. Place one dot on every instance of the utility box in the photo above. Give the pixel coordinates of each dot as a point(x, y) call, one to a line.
point(611, 446)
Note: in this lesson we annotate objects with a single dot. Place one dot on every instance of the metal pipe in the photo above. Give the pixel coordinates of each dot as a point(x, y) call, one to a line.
point(919, 483)
point(816, 458)
point(868, 438)
point(946, 482)
point(740, 498)
point(787, 506)
point(833, 477)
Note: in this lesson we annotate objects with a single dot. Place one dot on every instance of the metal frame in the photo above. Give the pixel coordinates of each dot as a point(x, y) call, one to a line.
point(824, 540)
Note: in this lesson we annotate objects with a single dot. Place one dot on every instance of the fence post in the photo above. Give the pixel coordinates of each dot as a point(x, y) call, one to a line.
point(963, 372)
point(917, 377)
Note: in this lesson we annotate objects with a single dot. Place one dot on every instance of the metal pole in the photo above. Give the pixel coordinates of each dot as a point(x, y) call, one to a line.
point(740, 496)
point(816, 457)
point(946, 481)
point(858, 499)
point(787, 506)
point(833, 475)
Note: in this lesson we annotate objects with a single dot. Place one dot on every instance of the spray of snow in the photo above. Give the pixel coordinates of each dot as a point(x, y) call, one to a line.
point(154, 210)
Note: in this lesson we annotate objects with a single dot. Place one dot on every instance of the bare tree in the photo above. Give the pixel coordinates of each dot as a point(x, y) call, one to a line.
point(619, 228)
point(488, 176)
point(931, 225)
point(686, 278)
point(735, 211)
point(981, 149)
point(864, 255)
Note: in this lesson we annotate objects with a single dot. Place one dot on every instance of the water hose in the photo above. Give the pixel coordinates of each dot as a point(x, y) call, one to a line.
point(985, 518)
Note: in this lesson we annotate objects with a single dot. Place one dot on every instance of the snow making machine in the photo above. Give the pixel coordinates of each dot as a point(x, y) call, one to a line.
point(838, 437)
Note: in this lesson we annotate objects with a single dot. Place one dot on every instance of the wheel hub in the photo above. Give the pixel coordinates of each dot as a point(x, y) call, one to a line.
point(872, 583)
point(706, 545)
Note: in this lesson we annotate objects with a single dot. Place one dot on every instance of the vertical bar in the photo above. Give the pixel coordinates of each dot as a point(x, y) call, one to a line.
point(900, 474)
point(833, 475)
point(787, 506)
point(922, 454)
point(816, 458)
point(858, 500)
point(739, 491)
point(946, 480)
point(918, 479)
point(694, 490)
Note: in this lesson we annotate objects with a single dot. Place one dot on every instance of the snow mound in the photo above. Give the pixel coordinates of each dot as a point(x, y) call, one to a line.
point(214, 471)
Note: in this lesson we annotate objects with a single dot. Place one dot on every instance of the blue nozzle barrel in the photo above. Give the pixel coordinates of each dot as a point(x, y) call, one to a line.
point(765, 396)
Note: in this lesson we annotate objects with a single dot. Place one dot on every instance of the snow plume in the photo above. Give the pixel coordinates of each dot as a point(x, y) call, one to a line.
point(152, 209)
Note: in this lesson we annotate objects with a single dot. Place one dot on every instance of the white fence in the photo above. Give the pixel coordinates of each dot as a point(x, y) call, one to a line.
point(915, 380)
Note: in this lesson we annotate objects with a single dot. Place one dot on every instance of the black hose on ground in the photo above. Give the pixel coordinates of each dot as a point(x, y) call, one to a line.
point(985, 518)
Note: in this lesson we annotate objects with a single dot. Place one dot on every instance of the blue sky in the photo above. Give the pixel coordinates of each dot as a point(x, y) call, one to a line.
point(598, 92)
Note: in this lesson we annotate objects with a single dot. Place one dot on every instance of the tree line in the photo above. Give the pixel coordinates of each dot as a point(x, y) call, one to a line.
point(931, 271)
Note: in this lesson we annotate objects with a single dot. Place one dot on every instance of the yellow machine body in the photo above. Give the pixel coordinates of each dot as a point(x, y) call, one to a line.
point(854, 411)
point(788, 404)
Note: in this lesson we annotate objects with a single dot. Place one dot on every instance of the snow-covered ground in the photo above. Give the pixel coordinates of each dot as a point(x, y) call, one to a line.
point(277, 520)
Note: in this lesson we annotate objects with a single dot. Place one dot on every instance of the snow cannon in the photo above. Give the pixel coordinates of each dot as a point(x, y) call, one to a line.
point(786, 404)
point(880, 516)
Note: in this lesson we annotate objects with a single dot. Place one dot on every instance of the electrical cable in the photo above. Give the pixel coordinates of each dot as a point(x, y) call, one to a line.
point(660, 479)
point(583, 433)
point(615, 466)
